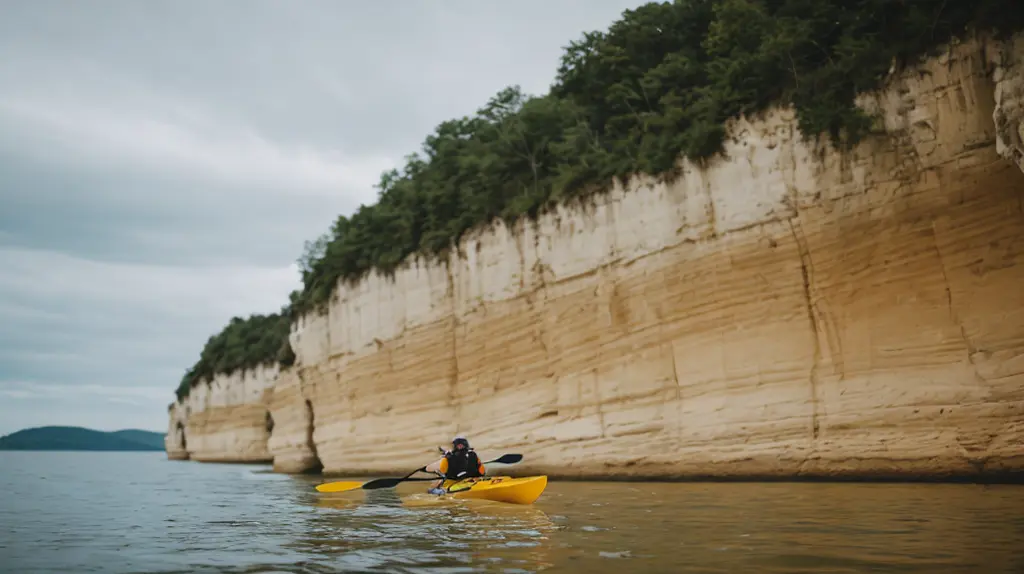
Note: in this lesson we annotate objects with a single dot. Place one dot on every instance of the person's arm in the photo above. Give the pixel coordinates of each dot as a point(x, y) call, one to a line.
point(438, 467)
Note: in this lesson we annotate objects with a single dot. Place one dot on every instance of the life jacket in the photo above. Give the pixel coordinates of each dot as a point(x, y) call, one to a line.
point(462, 462)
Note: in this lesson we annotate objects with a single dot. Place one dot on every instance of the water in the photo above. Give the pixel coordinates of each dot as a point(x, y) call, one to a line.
point(137, 512)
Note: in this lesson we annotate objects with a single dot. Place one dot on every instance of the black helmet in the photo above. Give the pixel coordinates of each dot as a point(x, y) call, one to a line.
point(459, 440)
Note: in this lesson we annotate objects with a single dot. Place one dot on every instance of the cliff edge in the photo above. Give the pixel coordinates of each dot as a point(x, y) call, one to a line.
point(781, 310)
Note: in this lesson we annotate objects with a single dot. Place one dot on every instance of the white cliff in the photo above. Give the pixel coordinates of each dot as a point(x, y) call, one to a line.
point(787, 310)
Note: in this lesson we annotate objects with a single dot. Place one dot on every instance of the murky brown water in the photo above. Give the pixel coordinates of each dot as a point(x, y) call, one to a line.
point(136, 512)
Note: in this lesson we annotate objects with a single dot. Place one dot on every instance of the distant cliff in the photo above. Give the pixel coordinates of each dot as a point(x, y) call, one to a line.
point(78, 438)
point(781, 307)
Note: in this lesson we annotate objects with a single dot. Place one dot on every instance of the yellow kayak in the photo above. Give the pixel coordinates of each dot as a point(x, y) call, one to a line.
point(523, 490)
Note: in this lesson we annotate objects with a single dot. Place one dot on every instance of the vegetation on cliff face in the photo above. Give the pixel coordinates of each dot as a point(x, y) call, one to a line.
point(242, 344)
point(659, 84)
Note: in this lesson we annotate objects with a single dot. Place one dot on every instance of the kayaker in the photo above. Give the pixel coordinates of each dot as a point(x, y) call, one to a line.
point(459, 463)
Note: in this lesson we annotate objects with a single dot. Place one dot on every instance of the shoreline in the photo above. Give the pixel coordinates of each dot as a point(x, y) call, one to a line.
point(1007, 478)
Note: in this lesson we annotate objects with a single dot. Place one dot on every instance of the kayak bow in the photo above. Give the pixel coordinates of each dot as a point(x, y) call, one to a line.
point(523, 490)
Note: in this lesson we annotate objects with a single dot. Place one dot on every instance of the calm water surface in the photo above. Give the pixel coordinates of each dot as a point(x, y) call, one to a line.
point(137, 512)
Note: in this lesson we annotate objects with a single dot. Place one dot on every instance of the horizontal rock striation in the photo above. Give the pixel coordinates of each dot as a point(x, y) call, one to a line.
point(784, 311)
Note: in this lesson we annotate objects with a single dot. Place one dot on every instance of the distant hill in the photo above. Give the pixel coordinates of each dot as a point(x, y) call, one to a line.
point(78, 438)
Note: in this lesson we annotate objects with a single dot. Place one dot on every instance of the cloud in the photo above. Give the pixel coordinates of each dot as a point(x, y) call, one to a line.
point(66, 392)
point(81, 338)
point(64, 279)
point(162, 163)
point(186, 145)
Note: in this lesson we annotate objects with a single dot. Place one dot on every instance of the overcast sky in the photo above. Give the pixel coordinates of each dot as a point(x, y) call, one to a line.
point(161, 164)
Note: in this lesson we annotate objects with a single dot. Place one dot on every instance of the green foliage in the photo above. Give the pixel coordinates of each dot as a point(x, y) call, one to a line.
point(242, 344)
point(659, 84)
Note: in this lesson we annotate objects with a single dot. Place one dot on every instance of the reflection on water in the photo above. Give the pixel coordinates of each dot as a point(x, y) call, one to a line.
point(136, 512)
point(376, 529)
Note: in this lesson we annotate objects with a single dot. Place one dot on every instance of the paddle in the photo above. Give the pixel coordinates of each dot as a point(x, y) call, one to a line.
point(342, 486)
point(339, 486)
point(392, 482)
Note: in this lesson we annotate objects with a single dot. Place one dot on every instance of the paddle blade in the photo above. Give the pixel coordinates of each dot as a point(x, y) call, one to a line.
point(383, 483)
point(507, 459)
point(339, 486)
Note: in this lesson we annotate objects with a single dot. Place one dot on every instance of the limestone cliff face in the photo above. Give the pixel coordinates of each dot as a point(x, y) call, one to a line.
point(175, 440)
point(1009, 98)
point(226, 420)
point(785, 311)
